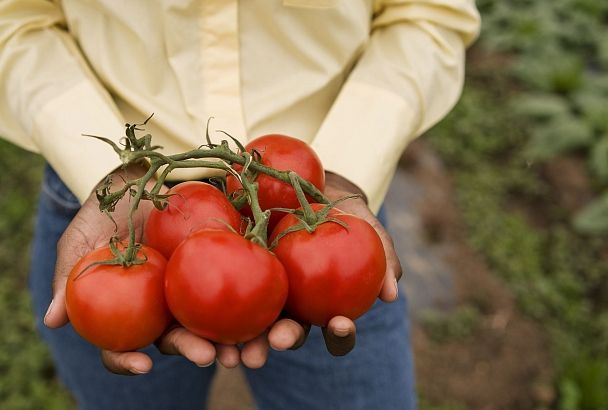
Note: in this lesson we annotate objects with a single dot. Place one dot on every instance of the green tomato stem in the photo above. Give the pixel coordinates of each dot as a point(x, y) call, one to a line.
point(214, 157)
point(131, 251)
point(259, 233)
point(310, 216)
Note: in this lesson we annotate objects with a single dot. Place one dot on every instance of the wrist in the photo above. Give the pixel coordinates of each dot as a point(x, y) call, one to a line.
point(119, 176)
point(131, 171)
point(338, 184)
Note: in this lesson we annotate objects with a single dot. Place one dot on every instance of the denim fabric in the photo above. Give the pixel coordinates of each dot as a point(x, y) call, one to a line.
point(376, 375)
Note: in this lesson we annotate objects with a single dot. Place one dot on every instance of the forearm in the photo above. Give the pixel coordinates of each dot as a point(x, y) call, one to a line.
point(409, 76)
point(339, 186)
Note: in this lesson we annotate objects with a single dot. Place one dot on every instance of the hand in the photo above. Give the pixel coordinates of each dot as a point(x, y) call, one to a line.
point(91, 229)
point(338, 187)
point(340, 332)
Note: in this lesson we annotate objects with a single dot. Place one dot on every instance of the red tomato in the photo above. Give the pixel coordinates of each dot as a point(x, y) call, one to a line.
point(223, 287)
point(333, 271)
point(195, 205)
point(117, 308)
point(284, 154)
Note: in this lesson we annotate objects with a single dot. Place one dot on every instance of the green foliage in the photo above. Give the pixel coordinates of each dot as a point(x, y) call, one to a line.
point(594, 218)
point(424, 404)
point(495, 154)
point(584, 385)
point(459, 324)
point(599, 157)
point(559, 134)
point(540, 106)
point(562, 58)
point(26, 373)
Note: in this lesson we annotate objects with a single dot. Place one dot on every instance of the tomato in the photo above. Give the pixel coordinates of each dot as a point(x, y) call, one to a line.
point(283, 153)
point(332, 271)
point(194, 205)
point(223, 287)
point(117, 308)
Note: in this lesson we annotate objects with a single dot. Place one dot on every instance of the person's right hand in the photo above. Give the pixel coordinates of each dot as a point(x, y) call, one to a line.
point(91, 229)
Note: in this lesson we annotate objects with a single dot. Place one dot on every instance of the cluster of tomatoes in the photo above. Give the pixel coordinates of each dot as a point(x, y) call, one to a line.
point(200, 271)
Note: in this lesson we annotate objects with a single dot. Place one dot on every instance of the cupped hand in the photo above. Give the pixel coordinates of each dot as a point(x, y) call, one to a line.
point(340, 333)
point(338, 187)
point(90, 229)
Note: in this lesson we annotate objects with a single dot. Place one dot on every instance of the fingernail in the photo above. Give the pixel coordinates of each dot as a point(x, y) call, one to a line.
point(48, 311)
point(135, 370)
point(208, 364)
point(341, 332)
point(396, 289)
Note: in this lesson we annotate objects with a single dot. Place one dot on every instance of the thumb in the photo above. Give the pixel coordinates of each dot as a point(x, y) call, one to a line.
point(339, 335)
point(88, 230)
point(56, 315)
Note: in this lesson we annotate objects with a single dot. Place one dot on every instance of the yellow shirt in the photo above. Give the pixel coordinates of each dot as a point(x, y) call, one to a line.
point(357, 79)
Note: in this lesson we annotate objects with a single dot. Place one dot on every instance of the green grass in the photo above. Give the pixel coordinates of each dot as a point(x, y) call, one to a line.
point(455, 325)
point(26, 374)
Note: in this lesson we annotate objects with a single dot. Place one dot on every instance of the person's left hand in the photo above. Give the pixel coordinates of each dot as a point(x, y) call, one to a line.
point(340, 332)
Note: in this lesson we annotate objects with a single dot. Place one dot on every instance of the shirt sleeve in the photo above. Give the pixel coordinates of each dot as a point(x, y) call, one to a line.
point(408, 78)
point(49, 96)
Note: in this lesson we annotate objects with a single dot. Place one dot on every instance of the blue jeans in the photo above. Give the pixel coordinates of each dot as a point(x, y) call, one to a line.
point(377, 374)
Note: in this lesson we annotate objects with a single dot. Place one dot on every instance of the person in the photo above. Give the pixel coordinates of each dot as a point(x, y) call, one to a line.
point(356, 79)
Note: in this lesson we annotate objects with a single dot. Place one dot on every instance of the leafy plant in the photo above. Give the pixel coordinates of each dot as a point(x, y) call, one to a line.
point(26, 373)
point(555, 93)
point(458, 324)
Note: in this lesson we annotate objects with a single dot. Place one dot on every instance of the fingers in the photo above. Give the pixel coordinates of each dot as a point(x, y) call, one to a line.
point(339, 335)
point(56, 314)
point(179, 341)
point(228, 355)
point(255, 352)
point(287, 334)
point(390, 289)
point(128, 363)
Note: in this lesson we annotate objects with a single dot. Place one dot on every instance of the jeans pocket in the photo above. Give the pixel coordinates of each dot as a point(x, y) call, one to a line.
point(56, 194)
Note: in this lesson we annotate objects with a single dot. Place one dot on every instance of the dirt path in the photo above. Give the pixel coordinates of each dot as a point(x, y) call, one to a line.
point(501, 359)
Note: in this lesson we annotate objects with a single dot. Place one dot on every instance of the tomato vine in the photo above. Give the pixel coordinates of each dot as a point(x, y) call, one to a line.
point(139, 150)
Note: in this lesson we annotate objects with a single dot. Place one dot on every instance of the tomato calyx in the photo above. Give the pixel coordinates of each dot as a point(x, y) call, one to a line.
point(309, 218)
point(310, 222)
point(257, 232)
point(241, 197)
point(120, 258)
point(134, 150)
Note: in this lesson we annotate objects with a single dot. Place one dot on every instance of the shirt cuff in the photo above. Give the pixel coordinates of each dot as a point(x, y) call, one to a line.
point(80, 161)
point(363, 136)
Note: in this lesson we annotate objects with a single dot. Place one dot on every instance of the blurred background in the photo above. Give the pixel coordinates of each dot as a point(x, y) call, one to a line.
point(500, 214)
